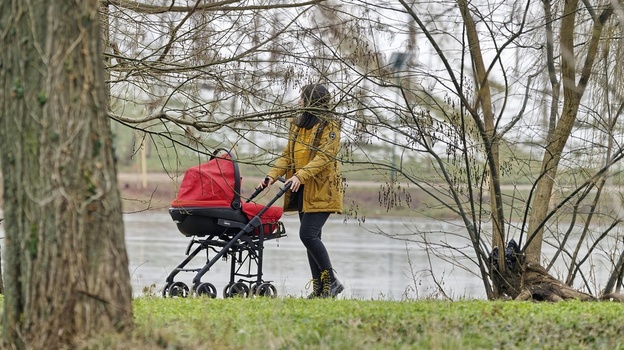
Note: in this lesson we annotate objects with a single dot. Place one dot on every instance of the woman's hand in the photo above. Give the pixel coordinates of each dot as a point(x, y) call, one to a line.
point(268, 181)
point(295, 183)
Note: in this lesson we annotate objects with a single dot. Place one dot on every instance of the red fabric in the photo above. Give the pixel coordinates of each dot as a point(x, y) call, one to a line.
point(269, 218)
point(210, 184)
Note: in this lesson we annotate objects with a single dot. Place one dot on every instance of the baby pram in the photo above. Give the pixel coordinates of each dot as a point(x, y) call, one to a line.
point(208, 208)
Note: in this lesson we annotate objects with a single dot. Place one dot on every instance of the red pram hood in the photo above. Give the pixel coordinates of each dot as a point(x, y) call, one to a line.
point(211, 184)
point(216, 184)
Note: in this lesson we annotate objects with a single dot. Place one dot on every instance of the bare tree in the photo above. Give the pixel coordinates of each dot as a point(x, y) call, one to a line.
point(519, 275)
point(66, 264)
point(1, 278)
point(485, 98)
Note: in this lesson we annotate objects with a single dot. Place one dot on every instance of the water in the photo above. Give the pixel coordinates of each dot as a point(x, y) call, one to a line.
point(371, 266)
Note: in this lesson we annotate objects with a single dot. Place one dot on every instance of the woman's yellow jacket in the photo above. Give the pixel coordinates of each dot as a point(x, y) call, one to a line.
point(314, 152)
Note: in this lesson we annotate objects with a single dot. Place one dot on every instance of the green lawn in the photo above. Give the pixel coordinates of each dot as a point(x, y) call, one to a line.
point(292, 323)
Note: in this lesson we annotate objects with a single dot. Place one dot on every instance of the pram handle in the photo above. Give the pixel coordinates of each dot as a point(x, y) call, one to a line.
point(260, 189)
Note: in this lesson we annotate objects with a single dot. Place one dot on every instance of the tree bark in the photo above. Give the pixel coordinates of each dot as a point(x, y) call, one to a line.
point(66, 266)
point(1, 275)
point(487, 130)
point(556, 141)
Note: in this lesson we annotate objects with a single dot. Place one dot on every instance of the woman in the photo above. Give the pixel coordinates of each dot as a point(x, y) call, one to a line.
point(309, 163)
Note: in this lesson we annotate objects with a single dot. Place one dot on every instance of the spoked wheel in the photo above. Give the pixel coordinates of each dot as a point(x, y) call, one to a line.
point(206, 289)
point(266, 290)
point(254, 288)
point(238, 289)
point(176, 290)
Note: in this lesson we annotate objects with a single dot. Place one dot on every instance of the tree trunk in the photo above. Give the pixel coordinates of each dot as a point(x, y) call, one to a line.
point(1, 275)
point(66, 267)
point(572, 94)
point(487, 131)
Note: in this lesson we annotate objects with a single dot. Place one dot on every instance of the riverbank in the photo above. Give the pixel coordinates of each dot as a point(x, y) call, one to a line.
point(363, 199)
point(155, 191)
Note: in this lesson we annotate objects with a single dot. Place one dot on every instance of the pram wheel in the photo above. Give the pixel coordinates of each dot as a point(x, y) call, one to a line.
point(206, 289)
point(238, 289)
point(254, 288)
point(177, 289)
point(266, 290)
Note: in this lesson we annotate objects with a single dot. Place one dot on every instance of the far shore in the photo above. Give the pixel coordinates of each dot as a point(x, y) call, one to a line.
point(155, 191)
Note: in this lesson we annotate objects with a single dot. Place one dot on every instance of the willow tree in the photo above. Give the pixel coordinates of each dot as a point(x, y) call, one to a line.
point(569, 65)
point(577, 64)
point(226, 74)
point(66, 267)
point(470, 92)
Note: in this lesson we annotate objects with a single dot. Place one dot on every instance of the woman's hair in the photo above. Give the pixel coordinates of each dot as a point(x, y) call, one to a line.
point(315, 95)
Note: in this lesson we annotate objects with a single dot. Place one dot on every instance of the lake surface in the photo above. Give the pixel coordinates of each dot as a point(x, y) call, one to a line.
point(370, 265)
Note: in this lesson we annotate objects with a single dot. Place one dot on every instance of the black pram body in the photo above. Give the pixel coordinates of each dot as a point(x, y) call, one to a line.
point(209, 209)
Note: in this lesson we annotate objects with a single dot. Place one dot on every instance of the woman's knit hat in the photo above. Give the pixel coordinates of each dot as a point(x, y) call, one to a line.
point(315, 95)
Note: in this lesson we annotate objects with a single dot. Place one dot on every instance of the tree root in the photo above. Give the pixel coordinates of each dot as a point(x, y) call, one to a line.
point(538, 285)
point(617, 297)
point(533, 282)
point(522, 280)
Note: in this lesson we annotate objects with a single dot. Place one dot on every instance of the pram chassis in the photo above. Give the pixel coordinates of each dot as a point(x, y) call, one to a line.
point(243, 249)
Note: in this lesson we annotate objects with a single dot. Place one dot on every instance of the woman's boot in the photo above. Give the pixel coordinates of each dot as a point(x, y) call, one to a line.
point(316, 288)
point(330, 286)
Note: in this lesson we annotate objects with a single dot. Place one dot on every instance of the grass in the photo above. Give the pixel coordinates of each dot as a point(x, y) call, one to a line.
point(297, 323)
point(293, 323)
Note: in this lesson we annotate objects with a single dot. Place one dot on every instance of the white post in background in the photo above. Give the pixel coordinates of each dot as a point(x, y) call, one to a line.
point(143, 164)
point(397, 60)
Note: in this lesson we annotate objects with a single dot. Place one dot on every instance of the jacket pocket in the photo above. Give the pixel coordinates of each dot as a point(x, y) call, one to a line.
point(324, 196)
